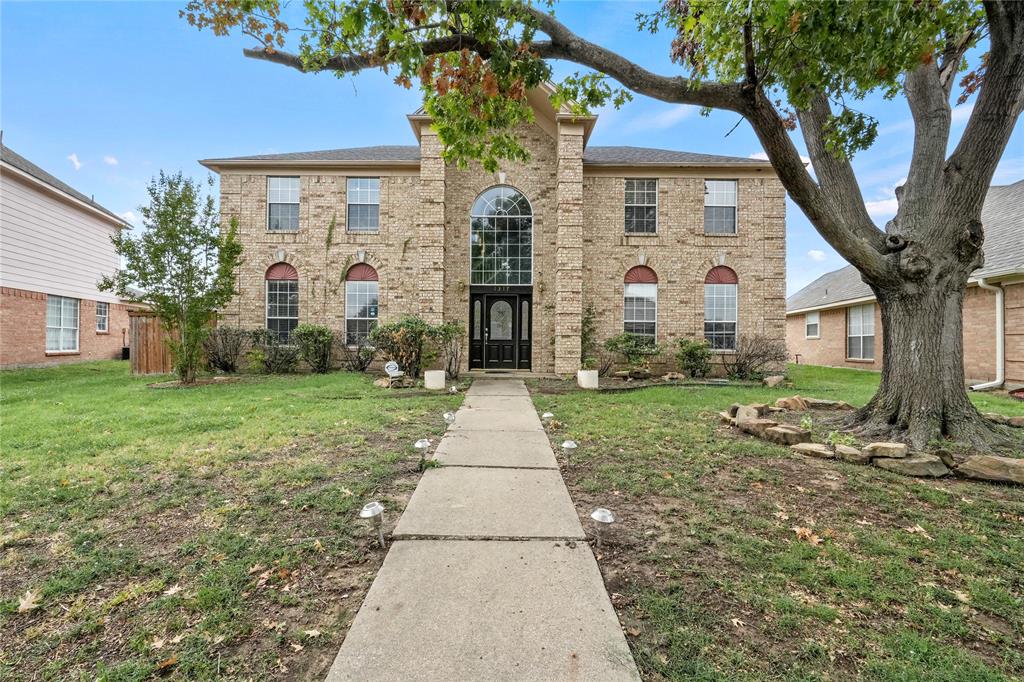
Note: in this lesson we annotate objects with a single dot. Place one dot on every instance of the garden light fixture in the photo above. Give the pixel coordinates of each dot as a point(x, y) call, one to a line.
point(602, 518)
point(375, 512)
point(547, 417)
point(449, 418)
point(423, 444)
point(568, 447)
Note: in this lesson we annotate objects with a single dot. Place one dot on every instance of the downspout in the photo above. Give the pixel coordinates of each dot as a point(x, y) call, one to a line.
point(1000, 335)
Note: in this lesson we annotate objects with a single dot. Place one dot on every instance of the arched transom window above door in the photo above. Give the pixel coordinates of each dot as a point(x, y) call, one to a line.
point(501, 238)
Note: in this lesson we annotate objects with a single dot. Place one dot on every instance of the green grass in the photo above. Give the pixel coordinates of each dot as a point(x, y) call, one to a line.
point(707, 571)
point(211, 526)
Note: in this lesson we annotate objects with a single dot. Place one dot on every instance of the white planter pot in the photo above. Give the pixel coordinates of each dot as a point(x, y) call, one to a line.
point(433, 380)
point(586, 378)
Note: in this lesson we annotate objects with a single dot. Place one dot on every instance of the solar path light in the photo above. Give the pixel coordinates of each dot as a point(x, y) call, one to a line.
point(603, 518)
point(449, 418)
point(568, 447)
point(375, 512)
point(547, 417)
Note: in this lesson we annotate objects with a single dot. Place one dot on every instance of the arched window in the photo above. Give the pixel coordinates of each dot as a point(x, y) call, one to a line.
point(640, 302)
point(720, 308)
point(501, 238)
point(362, 296)
point(282, 300)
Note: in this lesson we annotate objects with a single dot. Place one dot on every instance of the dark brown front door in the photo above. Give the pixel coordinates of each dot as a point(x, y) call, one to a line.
point(500, 330)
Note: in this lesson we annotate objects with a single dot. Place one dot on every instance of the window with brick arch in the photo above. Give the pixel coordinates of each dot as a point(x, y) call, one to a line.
point(720, 308)
point(640, 302)
point(362, 298)
point(282, 300)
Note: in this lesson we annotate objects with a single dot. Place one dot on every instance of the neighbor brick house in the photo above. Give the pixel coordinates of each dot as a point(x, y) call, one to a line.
point(835, 321)
point(54, 248)
point(665, 243)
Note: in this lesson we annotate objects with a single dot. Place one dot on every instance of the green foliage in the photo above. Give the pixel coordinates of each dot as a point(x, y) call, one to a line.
point(588, 338)
point(314, 342)
point(403, 342)
point(270, 356)
point(448, 338)
point(357, 358)
point(807, 422)
point(224, 347)
point(182, 265)
point(835, 438)
point(635, 349)
point(693, 357)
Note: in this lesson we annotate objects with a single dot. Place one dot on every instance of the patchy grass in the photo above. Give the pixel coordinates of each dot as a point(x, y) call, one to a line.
point(909, 580)
point(200, 533)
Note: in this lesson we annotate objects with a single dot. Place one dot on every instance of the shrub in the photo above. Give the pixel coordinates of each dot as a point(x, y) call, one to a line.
point(224, 347)
point(448, 337)
point(694, 357)
point(315, 342)
point(402, 342)
point(588, 339)
point(637, 350)
point(753, 357)
point(356, 358)
point(270, 355)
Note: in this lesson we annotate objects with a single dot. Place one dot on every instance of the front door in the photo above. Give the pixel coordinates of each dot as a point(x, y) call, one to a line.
point(500, 331)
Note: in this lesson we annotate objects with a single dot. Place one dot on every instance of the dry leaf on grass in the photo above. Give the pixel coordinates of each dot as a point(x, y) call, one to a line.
point(311, 633)
point(157, 643)
point(28, 601)
point(318, 546)
point(806, 535)
point(633, 632)
point(173, 589)
point(297, 647)
point(167, 663)
point(918, 530)
point(737, 623)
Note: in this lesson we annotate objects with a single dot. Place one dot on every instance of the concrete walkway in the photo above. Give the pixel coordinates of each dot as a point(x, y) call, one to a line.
point(488, 577)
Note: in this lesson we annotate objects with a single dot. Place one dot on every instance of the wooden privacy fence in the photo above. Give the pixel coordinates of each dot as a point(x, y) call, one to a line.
point(149, 351)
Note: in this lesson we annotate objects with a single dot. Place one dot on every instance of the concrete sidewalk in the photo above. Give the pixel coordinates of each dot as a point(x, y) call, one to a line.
point(489, 577)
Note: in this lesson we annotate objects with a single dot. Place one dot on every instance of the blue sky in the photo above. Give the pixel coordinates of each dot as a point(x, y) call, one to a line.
point(103, 95)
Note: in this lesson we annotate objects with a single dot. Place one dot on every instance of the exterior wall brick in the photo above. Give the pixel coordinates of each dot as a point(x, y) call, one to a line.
point(23, 321)
point(979, 339)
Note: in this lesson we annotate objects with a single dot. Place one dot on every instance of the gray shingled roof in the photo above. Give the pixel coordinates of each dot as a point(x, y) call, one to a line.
point(629, 156)
point(24, 165)
point(1003, 219)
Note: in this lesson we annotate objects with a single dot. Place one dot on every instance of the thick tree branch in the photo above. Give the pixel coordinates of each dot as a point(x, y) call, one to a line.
point(929, 107)
point(951, 57)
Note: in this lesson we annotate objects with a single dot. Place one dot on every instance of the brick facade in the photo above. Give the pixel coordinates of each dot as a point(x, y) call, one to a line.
point(580, 251)
point(23, 325)
point(979, 341)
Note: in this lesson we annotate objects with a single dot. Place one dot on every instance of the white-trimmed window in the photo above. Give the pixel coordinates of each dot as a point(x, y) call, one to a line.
point(860, 332)
point(720, 307)
point(61, 324)
point(641, 206)
point(102, 316)
point(640, 309)
point(282, 300)
point(812, 325)
point(282, 204)
point(363, 204)
point(720, 206)
point(362, 298)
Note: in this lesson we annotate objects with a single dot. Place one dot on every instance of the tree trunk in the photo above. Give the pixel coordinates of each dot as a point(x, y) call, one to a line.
point(923, 396)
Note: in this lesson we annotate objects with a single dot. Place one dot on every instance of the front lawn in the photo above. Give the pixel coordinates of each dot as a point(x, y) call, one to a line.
point(195, 532)
point(894, 579)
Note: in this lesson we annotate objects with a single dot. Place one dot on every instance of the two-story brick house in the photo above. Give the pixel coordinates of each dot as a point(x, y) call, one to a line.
point(666, 243)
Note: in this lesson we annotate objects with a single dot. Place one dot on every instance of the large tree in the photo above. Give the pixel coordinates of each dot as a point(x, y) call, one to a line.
point(783, 65)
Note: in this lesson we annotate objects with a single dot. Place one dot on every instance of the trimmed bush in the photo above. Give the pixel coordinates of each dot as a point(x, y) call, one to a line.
point(356, 358)
point(693, 357)
point(271, 356)
point(315, 342)
point(448, 338)
point(224, 347)
point(637, 350)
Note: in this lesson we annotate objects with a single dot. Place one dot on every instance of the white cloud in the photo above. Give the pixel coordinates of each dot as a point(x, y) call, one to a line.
point(73, 158)
point(763, 156)
point(816, 254)
point(660, 120)
point(885, 207)
point(129, 216)
point(110, 160)
point(1009, 170)
point(961, 114)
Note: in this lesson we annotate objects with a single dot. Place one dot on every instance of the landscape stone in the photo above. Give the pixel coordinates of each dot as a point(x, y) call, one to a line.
point(812, 450)
point(756, 427)
point(996, 418)
point(784, 434)
point(726, 419)
point(851, 454)
point(820, 404)
point(745, 413)
point(946, 457)
point(733, 408)
point(762, 408)
point(923, 465)
point(774, 380)
point(796, 403)
point(1017, 422)
point(893, 450)
point(993, 468)
point(383, 382)
point(673, 376)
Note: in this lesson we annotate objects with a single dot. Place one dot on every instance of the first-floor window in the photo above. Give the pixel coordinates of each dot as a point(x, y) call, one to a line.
point(720, 308)
point(282, 307)
point(61, 324)
point(640, 313)
point(812, 325)
point(102, 316)
point(362, 298)
point(860, 332)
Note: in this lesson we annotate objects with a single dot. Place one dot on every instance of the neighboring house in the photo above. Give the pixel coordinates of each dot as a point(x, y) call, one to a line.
point(54, 248)
point(834, 320)
point(663, 243)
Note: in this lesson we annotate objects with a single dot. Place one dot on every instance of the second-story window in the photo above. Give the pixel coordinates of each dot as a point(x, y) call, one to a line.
point(720, 207)
point(282, 204)
point(641, 206)
point(363, 204)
